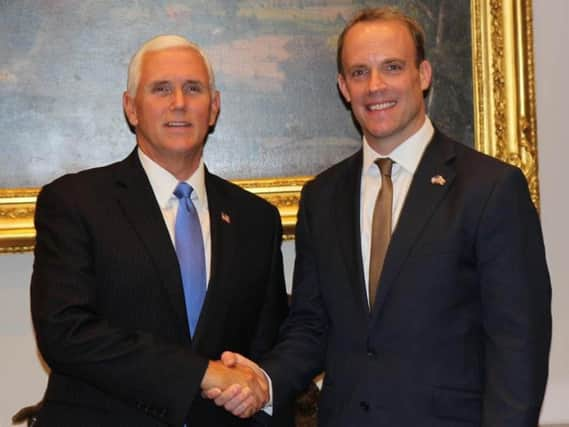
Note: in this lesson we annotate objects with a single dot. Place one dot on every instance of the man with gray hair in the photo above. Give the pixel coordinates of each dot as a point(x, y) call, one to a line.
point(147, 269)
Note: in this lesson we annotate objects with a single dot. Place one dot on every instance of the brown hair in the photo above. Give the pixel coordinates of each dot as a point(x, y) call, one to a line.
point(384, 14)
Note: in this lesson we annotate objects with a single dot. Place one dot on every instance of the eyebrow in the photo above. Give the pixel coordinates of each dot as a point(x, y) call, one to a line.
point(158, 83)
point(388, 60)
point(198, 82)
point(384, 61)
point(354, 66)
point(190, 81)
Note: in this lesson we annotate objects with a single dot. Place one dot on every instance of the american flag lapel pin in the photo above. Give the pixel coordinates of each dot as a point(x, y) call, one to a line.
point(438, 180)
point(225, 218)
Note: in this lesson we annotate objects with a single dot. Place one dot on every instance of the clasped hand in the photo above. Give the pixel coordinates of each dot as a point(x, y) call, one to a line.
point(237, 384)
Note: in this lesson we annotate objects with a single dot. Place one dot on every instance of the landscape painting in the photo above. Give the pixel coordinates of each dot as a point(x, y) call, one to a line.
point(63, 70)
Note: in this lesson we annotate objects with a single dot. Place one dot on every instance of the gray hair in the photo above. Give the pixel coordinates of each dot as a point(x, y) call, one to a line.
point(159, 43)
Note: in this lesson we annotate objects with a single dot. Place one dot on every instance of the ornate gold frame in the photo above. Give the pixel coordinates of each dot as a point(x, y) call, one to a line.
point(504, 118)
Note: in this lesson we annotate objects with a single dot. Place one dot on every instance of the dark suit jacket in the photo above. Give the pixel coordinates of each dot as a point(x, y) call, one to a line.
point(108, 306)
point(460, 331)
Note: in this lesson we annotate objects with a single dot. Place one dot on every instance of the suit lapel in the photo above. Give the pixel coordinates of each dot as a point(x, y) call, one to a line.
point(223, 246)
point(347, 221)
point(420, 204)
point(136, 199)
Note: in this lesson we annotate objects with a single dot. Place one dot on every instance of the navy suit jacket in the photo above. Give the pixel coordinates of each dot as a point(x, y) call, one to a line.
point(108, 306)
point(460, 331)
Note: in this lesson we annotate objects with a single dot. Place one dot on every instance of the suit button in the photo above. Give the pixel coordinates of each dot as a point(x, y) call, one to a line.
point(364, 406)
point(371, 354)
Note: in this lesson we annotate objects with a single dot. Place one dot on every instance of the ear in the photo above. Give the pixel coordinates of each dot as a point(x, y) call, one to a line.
point(129, 109)
point(344, 88)
point(425, 74)
point(215, 106)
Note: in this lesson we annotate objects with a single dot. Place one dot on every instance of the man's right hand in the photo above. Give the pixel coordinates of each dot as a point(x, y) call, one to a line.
point(237, 384)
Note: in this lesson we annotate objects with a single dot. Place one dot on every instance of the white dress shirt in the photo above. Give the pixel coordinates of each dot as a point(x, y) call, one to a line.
point(406, 157)
point(163, 184)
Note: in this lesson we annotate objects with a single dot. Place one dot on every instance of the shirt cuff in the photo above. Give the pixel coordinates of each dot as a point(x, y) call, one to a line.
point(268, 408)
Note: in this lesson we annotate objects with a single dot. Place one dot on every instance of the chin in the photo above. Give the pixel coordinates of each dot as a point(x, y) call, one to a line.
point(381, 133)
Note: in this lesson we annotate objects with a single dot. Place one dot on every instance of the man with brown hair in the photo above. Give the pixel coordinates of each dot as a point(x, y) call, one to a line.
point(420, 284)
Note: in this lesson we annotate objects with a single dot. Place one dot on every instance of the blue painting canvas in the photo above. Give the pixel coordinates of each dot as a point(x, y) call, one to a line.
point(63, 70)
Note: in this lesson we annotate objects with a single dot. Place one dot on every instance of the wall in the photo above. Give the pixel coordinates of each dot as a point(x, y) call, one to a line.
point(551, 35)
point(23, 378)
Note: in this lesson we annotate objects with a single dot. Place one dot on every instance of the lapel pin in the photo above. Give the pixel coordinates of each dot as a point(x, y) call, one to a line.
point(225, 218)
point(438, 180)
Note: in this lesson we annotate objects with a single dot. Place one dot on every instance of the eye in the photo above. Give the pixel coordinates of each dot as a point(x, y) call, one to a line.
point(358, 73)
point(162, 89)
point(394, 67)
point(193, 88)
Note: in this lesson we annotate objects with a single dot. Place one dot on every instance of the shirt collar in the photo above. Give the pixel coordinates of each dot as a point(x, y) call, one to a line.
point(406, 155)
point(163, 182)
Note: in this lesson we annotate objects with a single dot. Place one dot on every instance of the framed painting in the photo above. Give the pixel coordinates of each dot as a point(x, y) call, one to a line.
point(60, 88)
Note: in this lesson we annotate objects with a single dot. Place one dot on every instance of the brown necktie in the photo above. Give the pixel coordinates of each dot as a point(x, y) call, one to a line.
point(381, 227)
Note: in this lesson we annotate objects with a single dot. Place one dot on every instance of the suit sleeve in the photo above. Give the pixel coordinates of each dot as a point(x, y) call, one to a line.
point(299, 356)
point(516, 298)
point(274, 312)
point(136, 367)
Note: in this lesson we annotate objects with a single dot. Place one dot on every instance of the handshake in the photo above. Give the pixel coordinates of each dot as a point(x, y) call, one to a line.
point(237, 384)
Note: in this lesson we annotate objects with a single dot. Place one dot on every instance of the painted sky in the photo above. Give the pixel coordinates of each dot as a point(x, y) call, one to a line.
point(63, 70)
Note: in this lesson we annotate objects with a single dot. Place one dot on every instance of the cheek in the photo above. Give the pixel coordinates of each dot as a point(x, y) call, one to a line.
point(153, 109)
point(203, 114)
point(415, 86)
point(358, 92)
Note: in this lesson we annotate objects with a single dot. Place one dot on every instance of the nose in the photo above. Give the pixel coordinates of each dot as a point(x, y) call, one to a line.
point(178, 99)
point(376, 81)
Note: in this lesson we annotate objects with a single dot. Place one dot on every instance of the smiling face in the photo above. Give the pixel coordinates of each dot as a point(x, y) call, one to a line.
point(173, 108)
point(383, 83)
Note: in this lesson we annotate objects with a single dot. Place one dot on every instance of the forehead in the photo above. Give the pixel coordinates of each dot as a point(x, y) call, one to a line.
point(378, 39)
point(172, 64)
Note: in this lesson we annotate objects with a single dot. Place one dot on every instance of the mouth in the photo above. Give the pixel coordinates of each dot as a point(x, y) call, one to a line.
point(381, 106)
point(178, 124)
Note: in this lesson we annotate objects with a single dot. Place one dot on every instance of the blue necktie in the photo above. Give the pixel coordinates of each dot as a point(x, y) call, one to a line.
point(190, 251)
